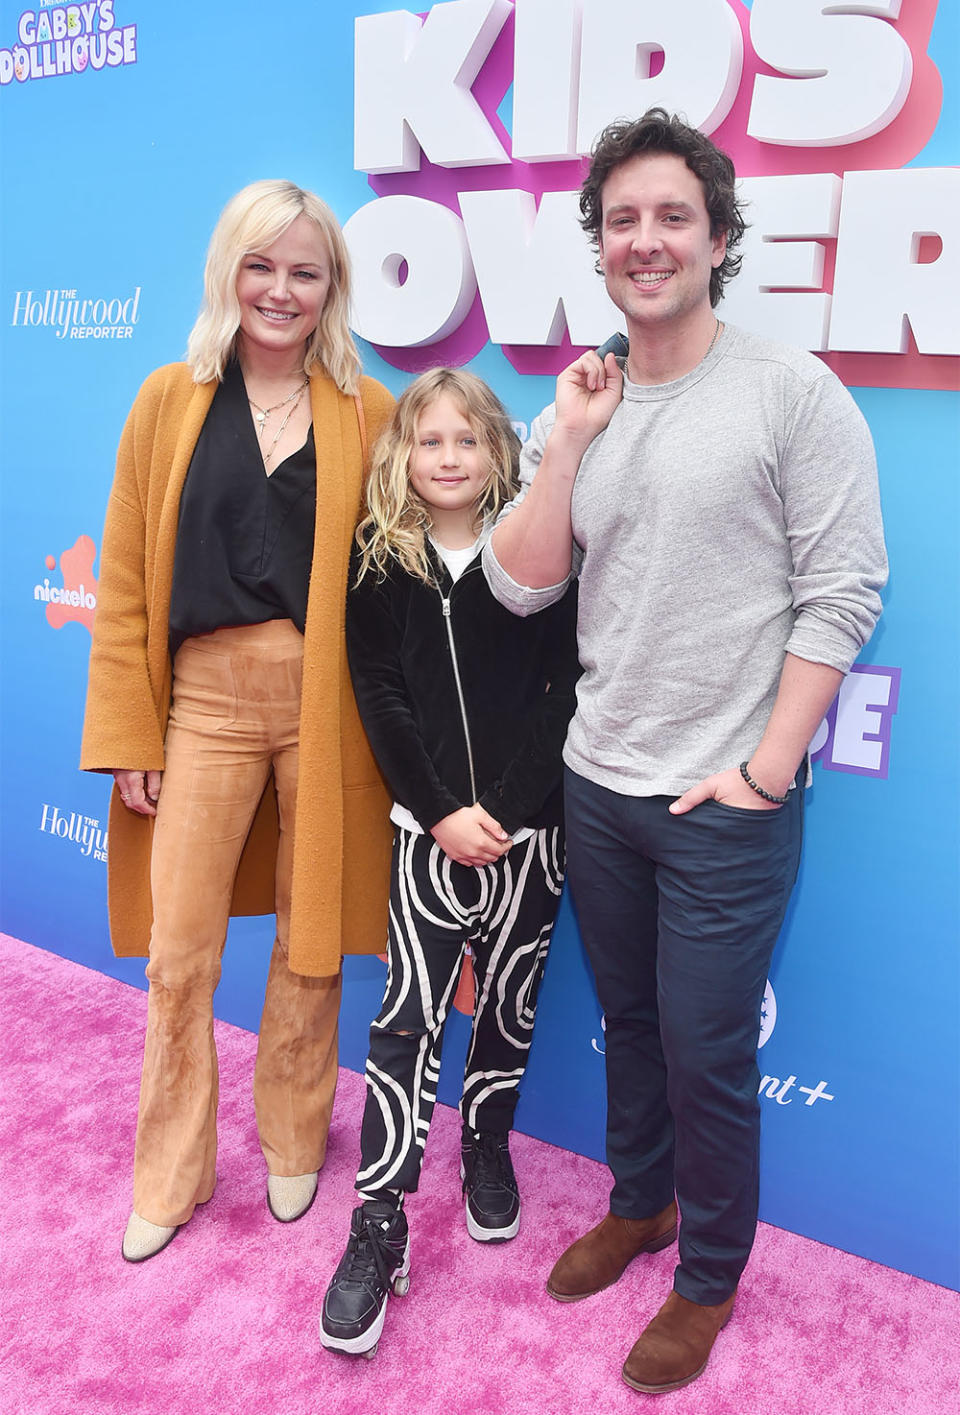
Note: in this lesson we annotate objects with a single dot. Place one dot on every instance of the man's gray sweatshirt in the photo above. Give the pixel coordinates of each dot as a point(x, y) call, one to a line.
point(718, 521)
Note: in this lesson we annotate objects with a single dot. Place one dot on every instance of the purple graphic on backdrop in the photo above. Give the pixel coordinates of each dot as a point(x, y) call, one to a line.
point(855, 734)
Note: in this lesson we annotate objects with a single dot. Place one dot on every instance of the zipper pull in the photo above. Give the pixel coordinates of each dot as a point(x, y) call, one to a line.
point(445, 604)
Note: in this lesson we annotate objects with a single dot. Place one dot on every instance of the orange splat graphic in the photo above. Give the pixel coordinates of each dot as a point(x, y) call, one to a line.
point(76, 566)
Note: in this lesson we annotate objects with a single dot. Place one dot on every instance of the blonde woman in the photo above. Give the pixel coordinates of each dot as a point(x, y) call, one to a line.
point(220, 700)
point(466, 707)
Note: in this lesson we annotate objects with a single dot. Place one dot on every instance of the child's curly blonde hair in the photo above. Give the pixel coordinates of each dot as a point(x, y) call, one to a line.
point(397, 520)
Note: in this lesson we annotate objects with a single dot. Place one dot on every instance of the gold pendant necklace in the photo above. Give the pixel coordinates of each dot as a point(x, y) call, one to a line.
point(261, 414)
point(297, 395)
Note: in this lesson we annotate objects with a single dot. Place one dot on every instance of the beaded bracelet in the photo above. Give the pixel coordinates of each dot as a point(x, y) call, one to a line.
point(767, 795)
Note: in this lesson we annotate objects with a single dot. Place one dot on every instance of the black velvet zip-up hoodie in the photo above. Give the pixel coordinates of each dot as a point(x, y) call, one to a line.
point(517, 678)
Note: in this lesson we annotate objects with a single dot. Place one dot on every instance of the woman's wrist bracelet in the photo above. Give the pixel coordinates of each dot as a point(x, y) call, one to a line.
point(767, 795)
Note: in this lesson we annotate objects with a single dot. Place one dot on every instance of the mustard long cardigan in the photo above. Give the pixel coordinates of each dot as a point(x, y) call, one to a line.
point(342, 831)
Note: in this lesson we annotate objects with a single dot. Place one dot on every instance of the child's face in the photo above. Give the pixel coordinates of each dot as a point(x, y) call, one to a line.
point(449, 471)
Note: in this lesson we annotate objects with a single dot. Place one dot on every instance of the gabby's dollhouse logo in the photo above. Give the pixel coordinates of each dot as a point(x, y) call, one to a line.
point(75, 600)
point(473, 120)
point(54, 40)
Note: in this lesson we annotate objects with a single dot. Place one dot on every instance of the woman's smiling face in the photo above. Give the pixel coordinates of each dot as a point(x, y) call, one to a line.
point(282, 290)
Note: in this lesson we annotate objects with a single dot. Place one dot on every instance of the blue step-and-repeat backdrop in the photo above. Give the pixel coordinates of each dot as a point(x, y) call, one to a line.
point(449, 143)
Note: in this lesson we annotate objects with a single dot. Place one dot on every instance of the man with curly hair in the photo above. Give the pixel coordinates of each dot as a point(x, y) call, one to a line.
point(716, 495)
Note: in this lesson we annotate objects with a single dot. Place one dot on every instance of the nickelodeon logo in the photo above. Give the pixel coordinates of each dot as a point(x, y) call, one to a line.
point(74, 601)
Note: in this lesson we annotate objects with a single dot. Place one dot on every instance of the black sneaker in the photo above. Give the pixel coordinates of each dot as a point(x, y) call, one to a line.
point(376, 1262)
point(493, 1200)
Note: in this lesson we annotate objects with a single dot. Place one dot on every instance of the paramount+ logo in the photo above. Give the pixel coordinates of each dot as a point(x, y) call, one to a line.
point(781, 1091)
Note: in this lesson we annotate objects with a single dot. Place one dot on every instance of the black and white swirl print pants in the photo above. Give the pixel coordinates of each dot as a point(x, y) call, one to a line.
point(505, 912)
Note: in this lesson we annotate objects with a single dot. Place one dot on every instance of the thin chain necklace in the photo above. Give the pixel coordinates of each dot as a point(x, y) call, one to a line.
point(718, 326)
point(263, 413)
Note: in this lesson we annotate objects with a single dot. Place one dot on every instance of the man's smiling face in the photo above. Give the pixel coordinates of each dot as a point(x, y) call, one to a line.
point(656, 247)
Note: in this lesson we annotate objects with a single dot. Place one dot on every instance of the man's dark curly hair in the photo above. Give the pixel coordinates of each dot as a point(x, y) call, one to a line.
point(659, 131)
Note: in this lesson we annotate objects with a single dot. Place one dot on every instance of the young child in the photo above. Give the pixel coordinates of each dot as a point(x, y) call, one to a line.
point(466, 708)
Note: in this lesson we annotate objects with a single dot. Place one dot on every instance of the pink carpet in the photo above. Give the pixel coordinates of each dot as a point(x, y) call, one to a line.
point(226, 1319)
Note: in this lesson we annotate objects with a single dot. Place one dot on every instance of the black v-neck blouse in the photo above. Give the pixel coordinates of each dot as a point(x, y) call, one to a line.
point(244, 540)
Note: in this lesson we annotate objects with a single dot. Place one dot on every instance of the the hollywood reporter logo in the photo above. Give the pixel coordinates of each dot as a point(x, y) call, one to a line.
point(72, 316)
point(84, 831)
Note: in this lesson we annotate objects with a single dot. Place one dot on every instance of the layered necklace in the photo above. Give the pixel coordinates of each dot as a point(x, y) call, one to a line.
point(261, 415)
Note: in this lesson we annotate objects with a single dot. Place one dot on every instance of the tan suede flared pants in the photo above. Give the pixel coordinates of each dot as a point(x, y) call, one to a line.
point(235, 717)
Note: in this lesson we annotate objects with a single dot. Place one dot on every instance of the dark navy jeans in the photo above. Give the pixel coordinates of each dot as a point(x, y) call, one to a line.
point(679, 915)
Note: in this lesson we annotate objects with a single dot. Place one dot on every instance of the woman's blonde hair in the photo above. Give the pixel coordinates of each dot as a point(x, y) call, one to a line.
point(251, 221)
point(397, 520)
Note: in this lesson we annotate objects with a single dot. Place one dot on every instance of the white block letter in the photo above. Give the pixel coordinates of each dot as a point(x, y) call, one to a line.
point(702, 62)
point(533, 267)
point(850, 71)
point(863, 711)
point(412, 86)
point(546, 65)
point(434, 295)
point(780, 253)
point(877, 283)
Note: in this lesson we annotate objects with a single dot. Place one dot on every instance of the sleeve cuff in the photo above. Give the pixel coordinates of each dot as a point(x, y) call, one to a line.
point(521, 600)
point(824, 643)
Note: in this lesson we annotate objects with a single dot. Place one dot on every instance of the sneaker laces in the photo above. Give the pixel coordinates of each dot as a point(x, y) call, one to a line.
point(368, 1245)
point(489, 1161)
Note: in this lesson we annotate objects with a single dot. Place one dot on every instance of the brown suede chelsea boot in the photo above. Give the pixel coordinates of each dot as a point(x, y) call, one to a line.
point(674, 1348)
point(597, 1259)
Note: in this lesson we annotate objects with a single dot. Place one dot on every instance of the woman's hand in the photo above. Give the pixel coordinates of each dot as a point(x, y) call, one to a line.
point(471, 836)
point(139, 790)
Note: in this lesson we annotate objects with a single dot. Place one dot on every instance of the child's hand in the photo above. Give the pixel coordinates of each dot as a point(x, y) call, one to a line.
point(471, 836)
